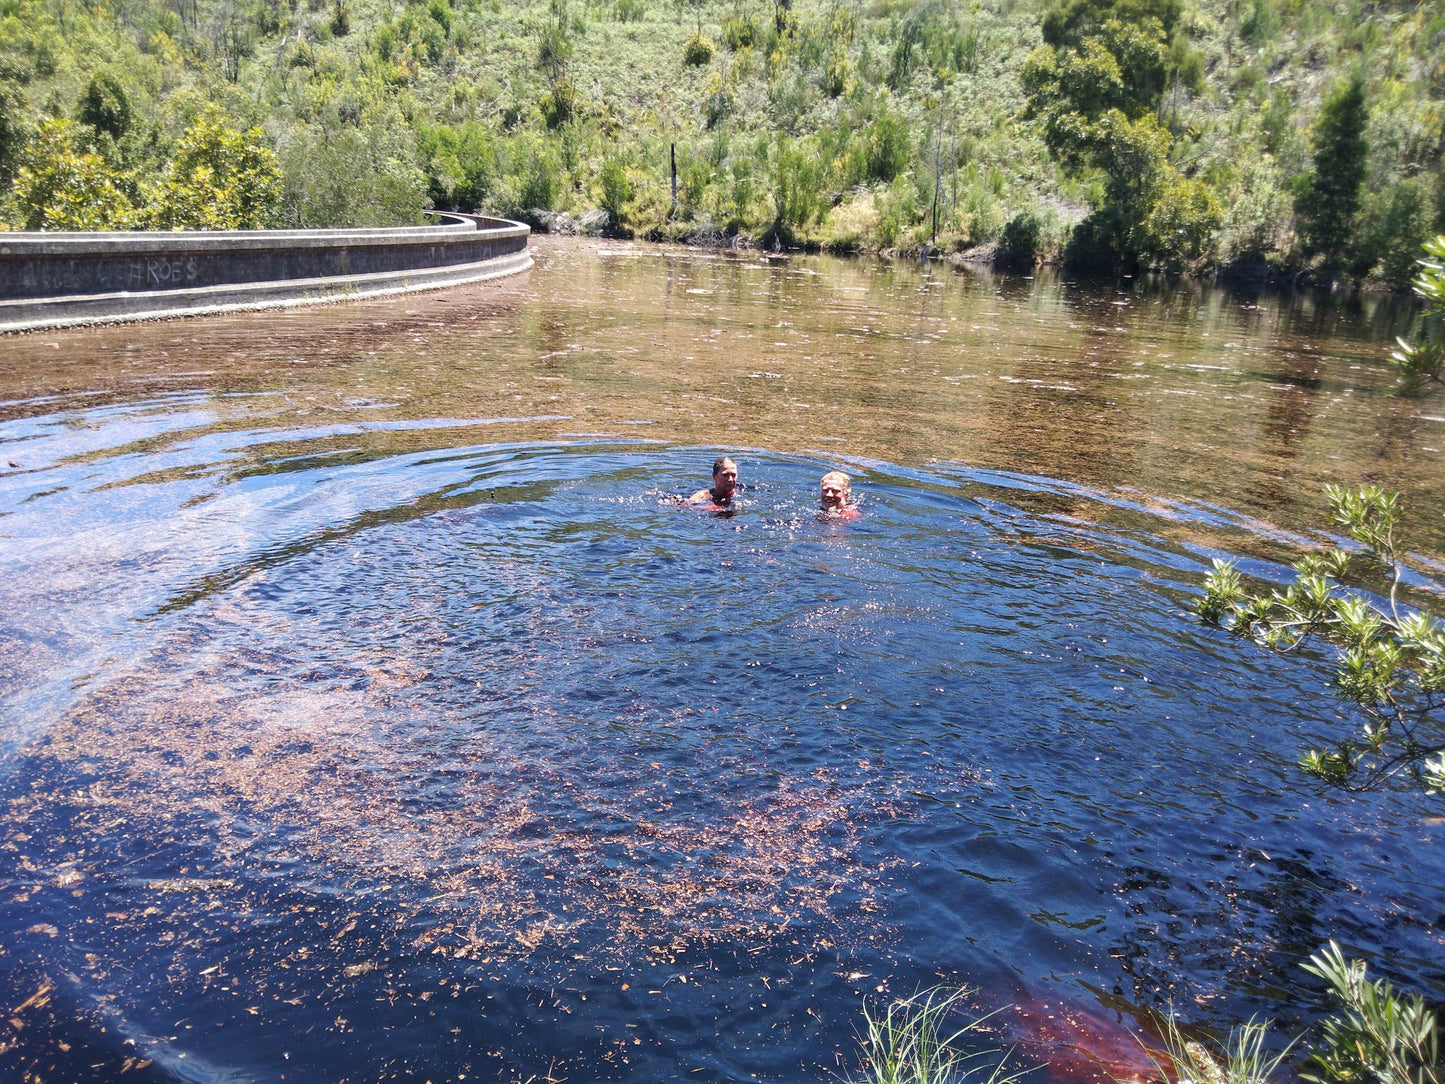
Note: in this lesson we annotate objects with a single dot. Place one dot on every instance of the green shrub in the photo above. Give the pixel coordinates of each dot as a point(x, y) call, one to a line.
point(59, 187)
point(219, 178)
point(1379, 1036)
point(1018, 248)
point(888, 145)
point(697, 51)
point(554, 48)
point(353, 176)
point(1422, 360)
point(1181, 223)
point(559, 104)
point(629, 11)
point(739, 32)
point(837, 76)
point(1255, 225)
point(1389, 661)
point(614, 191)
point(1394, 222)
point(852, 226)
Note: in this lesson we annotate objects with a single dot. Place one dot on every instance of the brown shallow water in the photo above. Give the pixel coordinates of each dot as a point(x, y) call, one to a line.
point(1165, 389)
point(370, 711)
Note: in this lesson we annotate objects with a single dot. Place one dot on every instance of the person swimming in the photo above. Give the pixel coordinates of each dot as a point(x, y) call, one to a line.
point(836, 495)
point(724, 485)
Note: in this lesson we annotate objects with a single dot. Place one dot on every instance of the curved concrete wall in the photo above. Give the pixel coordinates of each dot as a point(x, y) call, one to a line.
point(64, 279)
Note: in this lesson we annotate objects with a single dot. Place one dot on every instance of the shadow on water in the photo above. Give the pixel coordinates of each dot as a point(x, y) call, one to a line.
point(373, 708)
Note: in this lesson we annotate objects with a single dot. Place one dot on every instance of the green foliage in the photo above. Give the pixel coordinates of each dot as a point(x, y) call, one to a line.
point(1096, 92)
point(355, 87)
point(1329, 195)
point(1389, 661)
point(60, 187)
point(105, 105)
point(1423, 360)
point(887, 145)
point(795, 183)
point(615, 192)
point(555, 45)
point(740, 32)
point(559, 105)
point(352, 176)
point(461, 164)
point(1070, 22)
point(220, 178)
point(1244, 1058)
point(1018, 248)
point(629, 11)
point(14, 123)
point(697, 50)
point(1394, 222)
point(909, 1042)
point(1379, 1036)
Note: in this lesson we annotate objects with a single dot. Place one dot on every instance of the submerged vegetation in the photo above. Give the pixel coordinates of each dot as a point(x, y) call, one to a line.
point(1299, 137)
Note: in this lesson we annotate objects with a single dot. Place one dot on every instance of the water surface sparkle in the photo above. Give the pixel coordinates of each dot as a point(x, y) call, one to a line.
point(370, 710)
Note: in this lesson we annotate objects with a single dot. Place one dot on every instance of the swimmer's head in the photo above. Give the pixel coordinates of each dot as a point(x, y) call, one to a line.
point(724, 477)
point(836, 491)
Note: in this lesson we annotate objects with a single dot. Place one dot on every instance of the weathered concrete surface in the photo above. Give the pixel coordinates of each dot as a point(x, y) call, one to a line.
point(65, 279)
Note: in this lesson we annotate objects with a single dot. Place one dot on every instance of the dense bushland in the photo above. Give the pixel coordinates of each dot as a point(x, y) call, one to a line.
point(1297, 135)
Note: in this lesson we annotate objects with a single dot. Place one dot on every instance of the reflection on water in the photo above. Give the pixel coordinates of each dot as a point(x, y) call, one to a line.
point(373, 711)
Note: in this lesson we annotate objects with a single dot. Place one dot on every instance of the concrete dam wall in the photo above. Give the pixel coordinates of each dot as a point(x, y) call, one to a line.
point(52, 280)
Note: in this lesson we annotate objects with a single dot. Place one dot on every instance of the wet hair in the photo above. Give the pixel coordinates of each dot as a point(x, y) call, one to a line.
point(839, 476)
point(717, 464)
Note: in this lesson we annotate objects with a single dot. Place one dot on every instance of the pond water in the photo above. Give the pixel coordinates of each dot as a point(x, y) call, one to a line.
point(372, 710)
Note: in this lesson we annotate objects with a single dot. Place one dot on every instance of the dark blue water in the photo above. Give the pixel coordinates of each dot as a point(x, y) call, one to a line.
point(369, 709)
point(325, 760)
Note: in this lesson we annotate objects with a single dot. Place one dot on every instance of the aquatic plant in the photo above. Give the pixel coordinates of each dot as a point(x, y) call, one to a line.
point(1243, 1058)
point(906, 1043)
point(1379, 1037)
point(1389, 660)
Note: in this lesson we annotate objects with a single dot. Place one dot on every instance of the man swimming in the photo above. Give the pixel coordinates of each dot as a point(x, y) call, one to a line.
point(724, 484)
point(836, 495)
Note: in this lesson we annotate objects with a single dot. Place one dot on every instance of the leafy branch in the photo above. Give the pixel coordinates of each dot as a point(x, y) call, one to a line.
point(1423, 361)
point(1389, 660)
point(1378, 1036)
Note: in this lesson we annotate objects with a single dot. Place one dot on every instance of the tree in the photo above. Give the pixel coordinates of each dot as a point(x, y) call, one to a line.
point(59, 187)
point(1423, 361)
point(105, 106)
point(1096, 95)
point(1329, 195)
point(14, 127)
point(219, 179)
point(1389, 660)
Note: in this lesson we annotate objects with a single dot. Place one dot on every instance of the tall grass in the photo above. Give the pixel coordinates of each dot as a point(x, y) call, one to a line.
point(1244, 1058)
point(909, 1042)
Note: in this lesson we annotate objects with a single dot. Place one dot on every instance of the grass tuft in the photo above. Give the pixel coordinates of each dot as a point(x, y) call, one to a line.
point(909, 1042)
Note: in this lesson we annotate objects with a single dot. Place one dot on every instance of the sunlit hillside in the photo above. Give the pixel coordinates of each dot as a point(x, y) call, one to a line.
point(892, 124)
